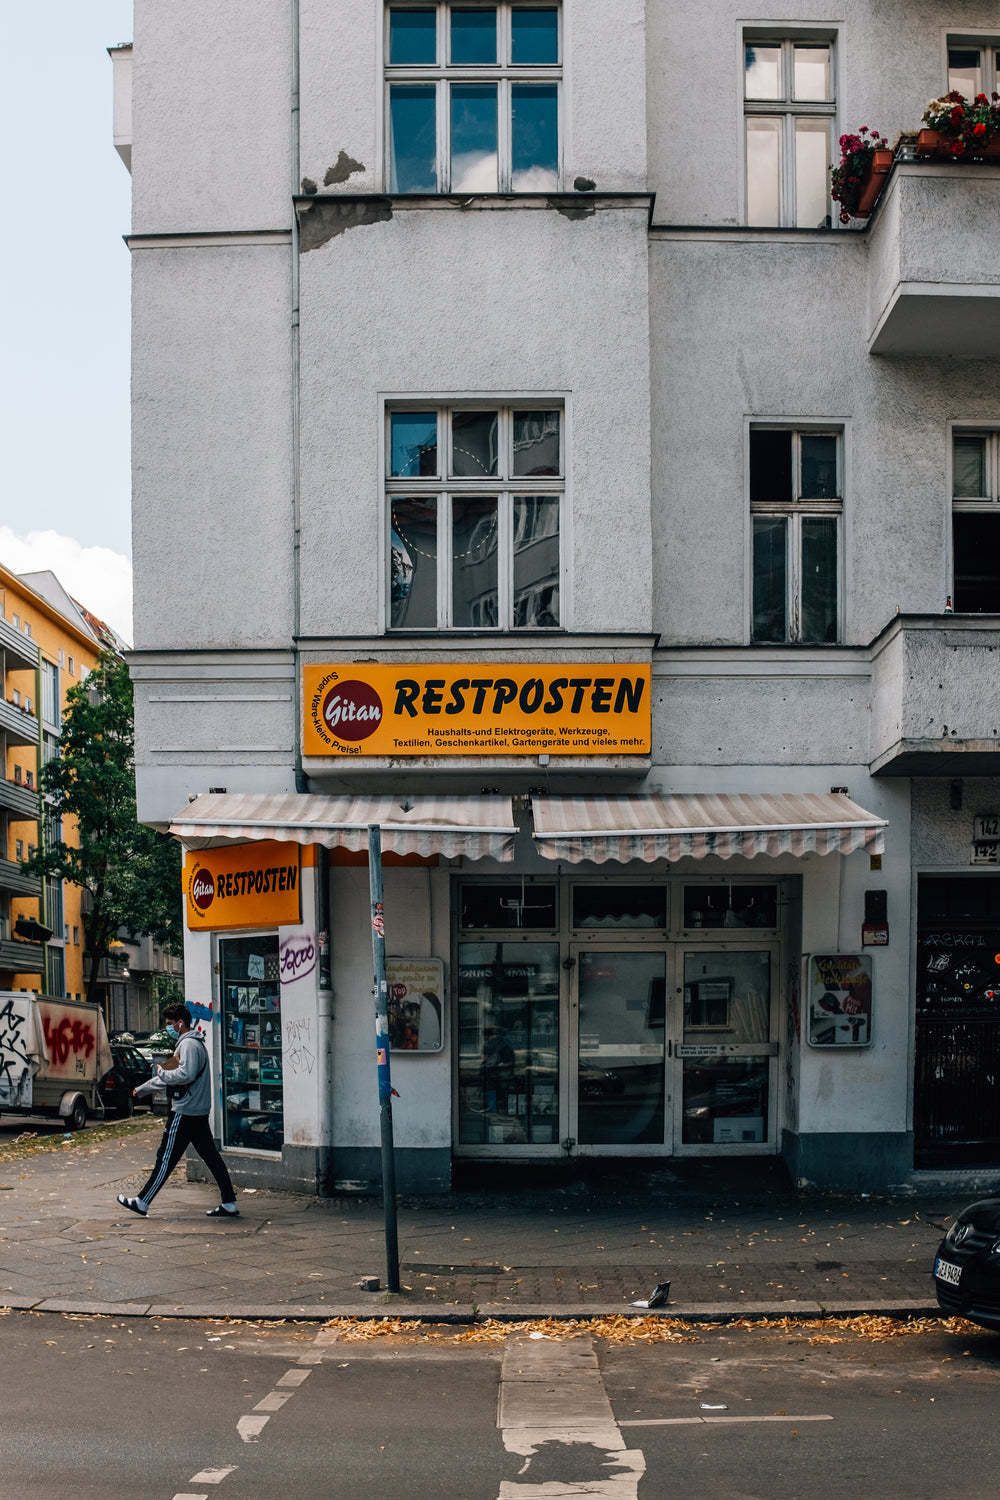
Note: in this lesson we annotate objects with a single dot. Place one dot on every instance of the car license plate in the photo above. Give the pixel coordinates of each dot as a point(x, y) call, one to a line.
point(945, 1271)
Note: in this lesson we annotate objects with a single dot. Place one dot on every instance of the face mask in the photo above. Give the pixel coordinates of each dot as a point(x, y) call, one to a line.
point(173, 1032)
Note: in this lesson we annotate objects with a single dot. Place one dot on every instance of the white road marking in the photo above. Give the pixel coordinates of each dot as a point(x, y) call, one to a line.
point(274, 1401)
point(323, 1339)
point(250, 1428)
point(553, 1393)
point(190, 1497)
point(294, 1377)
point(212, 1476)
point(716, 1421)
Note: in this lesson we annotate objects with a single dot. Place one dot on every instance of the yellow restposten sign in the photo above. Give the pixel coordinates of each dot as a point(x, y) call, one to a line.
point(432, 708)
point(243, 885)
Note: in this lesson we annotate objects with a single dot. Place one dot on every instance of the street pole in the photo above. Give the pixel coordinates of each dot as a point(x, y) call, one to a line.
point(382, 1057)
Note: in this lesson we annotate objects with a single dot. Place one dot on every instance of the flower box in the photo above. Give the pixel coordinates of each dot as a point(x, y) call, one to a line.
point(874, 182)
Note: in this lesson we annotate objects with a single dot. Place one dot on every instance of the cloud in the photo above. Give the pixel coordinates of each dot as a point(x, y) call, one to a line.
point(99, 578)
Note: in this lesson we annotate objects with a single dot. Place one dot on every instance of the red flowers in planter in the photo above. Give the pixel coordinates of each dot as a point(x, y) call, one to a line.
point(865, 160)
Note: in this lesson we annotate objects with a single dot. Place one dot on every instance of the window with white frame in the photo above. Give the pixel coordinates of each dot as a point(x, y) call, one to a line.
point(472, 97)
point(973, 65)
point(50, 692)
point(789, 108)
point(474, 500)
point(796, 504)
point(975, 492)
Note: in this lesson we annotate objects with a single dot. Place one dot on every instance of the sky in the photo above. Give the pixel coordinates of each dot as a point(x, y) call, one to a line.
point(64, 365)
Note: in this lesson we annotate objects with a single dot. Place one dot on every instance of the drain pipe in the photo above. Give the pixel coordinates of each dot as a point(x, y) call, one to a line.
point(321, 869)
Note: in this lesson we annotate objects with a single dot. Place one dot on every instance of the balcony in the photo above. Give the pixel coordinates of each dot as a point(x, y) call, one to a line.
point(19, 649)
point(936, 696)
point(13, 880)
point(21, 727)
point(934, 275)
point(20, 800)
point(21, 958)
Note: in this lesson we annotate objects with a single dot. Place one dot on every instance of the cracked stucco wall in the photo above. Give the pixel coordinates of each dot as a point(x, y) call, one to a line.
point(431, 304)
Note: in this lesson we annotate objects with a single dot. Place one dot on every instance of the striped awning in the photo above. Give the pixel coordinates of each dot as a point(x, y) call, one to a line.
point(477, 827)
point(692, 826)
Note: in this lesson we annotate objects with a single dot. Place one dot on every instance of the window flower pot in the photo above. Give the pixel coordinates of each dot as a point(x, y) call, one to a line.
point(934, 146)
point(874, 182)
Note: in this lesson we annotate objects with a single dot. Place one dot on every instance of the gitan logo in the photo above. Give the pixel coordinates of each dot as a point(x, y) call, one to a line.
point(352, 710)
point(202, 890)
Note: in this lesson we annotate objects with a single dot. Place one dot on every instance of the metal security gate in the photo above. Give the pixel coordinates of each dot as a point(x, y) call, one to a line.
point(956, 1105)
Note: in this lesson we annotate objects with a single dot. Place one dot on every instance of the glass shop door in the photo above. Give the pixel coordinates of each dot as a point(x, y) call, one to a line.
point(618, 1082)
point(724, 1061)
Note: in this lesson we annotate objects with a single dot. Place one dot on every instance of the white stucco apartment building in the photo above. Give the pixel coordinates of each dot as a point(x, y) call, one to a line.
point(527, 460)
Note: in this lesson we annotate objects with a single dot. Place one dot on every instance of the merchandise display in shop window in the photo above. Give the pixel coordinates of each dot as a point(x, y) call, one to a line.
point(252, 1083)
point(508, 1016)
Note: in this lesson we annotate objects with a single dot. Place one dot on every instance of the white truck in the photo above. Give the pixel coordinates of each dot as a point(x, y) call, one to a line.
point(53, 1055)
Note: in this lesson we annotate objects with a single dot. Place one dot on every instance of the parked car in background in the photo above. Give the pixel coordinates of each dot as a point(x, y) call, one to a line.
point(967, 1265)
point(155, 1046)
point(128, 1069)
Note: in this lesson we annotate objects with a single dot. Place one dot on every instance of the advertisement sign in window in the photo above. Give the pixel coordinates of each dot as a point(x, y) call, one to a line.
point(416, 1004)
point(839, 997)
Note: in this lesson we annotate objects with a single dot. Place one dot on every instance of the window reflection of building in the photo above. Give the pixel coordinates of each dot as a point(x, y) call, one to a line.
point(486, 555)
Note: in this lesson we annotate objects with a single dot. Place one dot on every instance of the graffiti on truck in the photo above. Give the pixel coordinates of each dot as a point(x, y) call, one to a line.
point(15, 1065)
point(69, 1037)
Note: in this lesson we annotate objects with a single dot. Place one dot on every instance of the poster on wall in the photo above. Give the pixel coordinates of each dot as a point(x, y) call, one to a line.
point(839, 1000)
point(416, 1004)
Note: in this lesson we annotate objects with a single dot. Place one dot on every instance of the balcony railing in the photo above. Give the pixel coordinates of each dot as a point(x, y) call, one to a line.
point(18, 799)
point(19, 649)
point(21, 958)
point(20, 726)
point(14, 880)
point(936, 696)
point(934, 276)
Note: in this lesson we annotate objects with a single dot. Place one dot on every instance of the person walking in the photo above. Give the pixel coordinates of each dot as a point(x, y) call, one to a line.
point(189, 1090)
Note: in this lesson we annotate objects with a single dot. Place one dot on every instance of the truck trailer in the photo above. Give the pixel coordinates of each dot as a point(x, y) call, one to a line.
point(53, 1055)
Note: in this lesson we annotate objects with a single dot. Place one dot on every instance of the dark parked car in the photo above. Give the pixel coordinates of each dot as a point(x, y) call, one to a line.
point(967, 1265)
point(129, 1069)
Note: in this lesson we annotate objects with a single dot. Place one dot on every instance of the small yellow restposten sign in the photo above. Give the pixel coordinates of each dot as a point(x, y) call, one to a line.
point(434, 708)
point(243, 885)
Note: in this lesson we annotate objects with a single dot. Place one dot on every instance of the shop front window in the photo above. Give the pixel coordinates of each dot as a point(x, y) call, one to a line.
point(251, 1050)
point(508, 1010)
point(620, 1076)
point(727, 1003)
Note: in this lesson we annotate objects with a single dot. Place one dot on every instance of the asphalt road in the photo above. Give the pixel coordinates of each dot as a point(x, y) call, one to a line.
point(173, 1410)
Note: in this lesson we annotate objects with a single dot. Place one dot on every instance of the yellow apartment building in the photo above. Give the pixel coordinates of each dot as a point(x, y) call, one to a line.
point(46, 646)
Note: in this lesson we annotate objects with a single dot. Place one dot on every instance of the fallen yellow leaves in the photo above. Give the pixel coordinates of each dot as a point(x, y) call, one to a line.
point(627, 1330)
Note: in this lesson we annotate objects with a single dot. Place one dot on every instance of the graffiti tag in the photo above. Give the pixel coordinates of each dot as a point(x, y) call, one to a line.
point(69, 1036)
point(296, 957)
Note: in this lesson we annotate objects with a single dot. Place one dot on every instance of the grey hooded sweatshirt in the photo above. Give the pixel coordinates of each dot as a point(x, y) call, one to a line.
point(192, 1074)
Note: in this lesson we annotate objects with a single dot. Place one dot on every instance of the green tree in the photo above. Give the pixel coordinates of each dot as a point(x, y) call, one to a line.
point(132, 873)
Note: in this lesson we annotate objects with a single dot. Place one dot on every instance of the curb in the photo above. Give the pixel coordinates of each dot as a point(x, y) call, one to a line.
point(709, 1312)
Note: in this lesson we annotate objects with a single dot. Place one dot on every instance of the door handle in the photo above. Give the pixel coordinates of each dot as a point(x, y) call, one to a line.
point(670, 1048)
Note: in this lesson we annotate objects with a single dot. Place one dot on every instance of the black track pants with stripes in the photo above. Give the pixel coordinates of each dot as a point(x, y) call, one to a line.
point(180, 1132)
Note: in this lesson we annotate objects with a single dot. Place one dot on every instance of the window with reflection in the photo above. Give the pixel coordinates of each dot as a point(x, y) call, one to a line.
point(727, 1002)
point(473, 97)
point(474, 504)
point(795, 512)
point(973, 68)
point(975, 493)
point(507, 903)
point(508, 1027)
point(789, 108)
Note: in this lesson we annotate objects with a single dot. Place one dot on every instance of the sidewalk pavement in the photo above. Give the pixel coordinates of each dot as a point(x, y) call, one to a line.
point(733, 1238)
